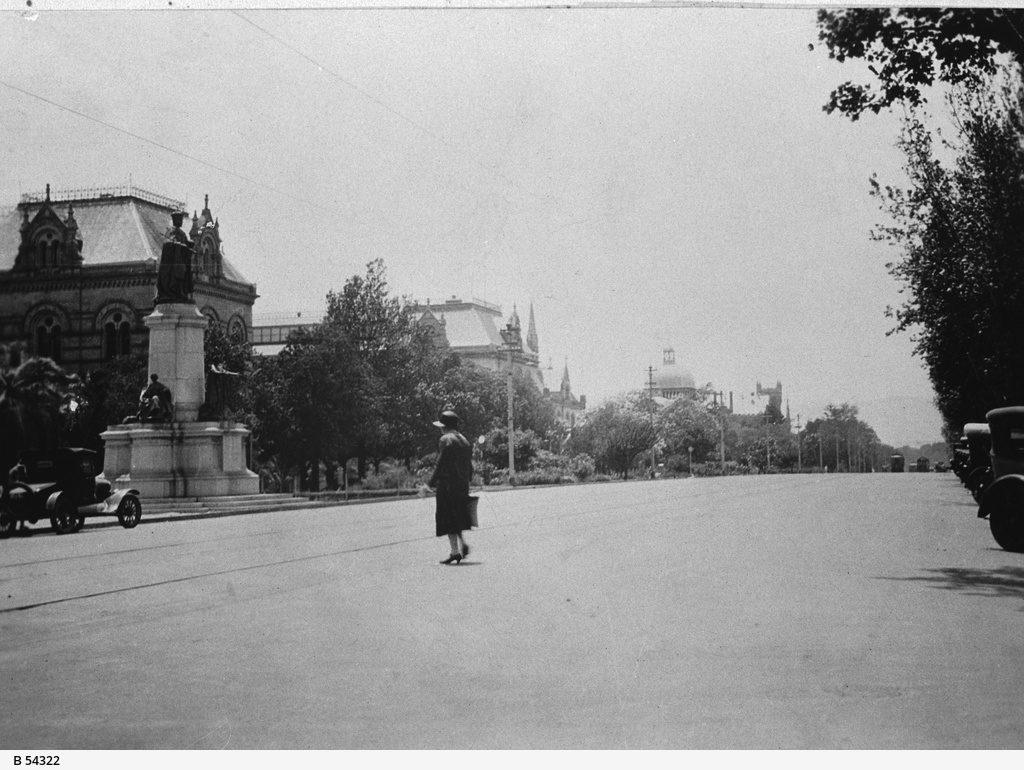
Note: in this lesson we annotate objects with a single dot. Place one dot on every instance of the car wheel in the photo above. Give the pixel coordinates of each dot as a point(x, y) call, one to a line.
point(7, 524)
point(63, 520)
point(129, 511)
point(1007, 525)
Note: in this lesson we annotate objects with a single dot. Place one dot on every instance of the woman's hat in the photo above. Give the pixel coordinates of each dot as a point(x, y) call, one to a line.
point(448, 420)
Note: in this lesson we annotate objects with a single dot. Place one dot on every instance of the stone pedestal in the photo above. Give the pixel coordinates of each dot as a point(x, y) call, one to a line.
point(182, 458)
point(176, 355)
point(194, 459)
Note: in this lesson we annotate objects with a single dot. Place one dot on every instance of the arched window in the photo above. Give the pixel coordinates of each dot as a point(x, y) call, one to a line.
point(211, 314)
point(47, 249)
point(236, 329)
point(48, 338)
point(116, 337)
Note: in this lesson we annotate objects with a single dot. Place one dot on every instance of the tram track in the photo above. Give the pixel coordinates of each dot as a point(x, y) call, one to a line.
point(669, 507)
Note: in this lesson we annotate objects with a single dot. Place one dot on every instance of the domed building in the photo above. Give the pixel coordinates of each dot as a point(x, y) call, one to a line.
point(671, 381)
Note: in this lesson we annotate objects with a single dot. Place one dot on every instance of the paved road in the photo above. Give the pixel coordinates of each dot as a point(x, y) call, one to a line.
point(793, 612)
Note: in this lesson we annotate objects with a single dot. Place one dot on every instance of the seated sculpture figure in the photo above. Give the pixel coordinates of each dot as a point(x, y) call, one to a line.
point(154, 403)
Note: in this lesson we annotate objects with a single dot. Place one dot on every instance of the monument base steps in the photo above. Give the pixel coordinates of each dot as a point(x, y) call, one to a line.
point(179, 460)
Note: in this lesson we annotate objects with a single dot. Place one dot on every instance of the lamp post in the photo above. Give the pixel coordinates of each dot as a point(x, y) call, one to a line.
point(689, 451)
point(650, 387)
point(81, 324)
point(513, 343)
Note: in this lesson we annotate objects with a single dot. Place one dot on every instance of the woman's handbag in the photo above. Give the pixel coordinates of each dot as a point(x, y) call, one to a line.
point(472, 502)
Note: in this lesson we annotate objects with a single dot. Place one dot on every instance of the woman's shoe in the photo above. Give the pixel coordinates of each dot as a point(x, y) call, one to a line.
point(465, 550)
point(455, 557)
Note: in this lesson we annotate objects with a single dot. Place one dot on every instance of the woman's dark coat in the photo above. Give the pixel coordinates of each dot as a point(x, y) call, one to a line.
point(451, 479)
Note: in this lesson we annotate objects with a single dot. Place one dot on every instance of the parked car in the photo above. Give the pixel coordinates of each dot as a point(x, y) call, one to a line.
point(1003, 500)
point(60, 485)
point(978, 471)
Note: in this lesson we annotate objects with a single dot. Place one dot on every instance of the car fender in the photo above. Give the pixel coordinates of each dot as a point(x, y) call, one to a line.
point(1005, 492)
point(53, 501)
point(114, 499)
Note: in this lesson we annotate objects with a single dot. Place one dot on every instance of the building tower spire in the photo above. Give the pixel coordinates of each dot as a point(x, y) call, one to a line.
point(531, 334)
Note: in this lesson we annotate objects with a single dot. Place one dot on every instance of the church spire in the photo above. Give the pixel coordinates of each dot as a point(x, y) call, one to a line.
point(531, 334)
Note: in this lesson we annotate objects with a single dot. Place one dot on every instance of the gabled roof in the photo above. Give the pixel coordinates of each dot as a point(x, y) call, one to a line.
point(113, 230)
point(467, 324)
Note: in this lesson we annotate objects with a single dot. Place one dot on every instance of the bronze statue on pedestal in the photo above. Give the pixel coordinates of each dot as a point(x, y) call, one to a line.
point(174, 275)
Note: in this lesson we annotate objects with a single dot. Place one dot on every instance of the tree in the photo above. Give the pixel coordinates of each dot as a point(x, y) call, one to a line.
point(495, 447)
point(908, 49)
point(321, 382)
point(684, 424)
point(960, 230)
point(105, 397)
point(31, 396)
point(394, 355)
point(841, 440)
point(615, 433)
point(479, 396)
point(958, 225)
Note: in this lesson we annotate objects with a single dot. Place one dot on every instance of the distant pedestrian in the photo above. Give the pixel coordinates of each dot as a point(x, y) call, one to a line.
point(451, 479)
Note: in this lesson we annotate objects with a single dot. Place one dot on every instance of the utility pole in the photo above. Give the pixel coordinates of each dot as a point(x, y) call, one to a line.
point(650, 390)
point(511, 428)
point(799, 441)
point(513, 340)
point(720, 414)
point(721, 438)
point(81, 325)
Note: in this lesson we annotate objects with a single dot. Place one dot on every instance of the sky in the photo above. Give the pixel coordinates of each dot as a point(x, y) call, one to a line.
point(645, 177)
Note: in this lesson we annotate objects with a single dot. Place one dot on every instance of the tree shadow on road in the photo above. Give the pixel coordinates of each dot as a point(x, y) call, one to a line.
point(1002, 582)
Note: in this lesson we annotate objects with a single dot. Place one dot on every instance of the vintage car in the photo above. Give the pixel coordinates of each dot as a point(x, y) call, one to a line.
point(1003, 499)
point(61, 485)
point(977, 474)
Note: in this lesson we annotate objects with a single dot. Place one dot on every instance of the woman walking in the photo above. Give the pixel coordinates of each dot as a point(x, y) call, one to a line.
point(451, 479)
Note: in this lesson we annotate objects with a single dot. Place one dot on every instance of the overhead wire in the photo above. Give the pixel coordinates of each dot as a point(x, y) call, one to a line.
point(147, 140)
point(505, 198)
point(252, 180)
point(367, 95)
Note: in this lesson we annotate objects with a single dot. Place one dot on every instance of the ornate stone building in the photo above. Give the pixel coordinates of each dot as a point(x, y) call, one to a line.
point(774, 396)
point(473, 330)
point(78, 273)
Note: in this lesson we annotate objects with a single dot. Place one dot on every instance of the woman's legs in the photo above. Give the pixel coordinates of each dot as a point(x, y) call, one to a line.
point(453, 538)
